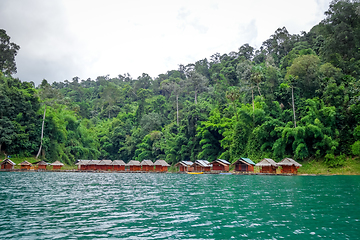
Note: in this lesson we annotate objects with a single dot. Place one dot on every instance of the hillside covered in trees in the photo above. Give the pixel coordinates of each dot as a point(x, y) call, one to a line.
point(297, 96)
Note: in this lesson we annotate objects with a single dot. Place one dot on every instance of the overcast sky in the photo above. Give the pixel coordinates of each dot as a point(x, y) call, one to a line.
point(61, 39)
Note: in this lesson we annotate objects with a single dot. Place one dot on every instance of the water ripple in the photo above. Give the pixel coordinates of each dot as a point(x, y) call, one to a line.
point(173, 206)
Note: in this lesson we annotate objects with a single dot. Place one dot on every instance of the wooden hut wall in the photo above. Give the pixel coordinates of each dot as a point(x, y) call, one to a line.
point(104, 167)
point(159, 168)
point(7, 166)
point(199, 168)
point(57, 167)
point(182, 168)
point(94, 167)
point(119, 168)
point(268, 169)
point(25, 167)
point(206, 169)
point(219, 167)
point(242, 167)
point(41, 167)
point(289, 169)
point(148, 168)
point(135, 168)
point(83, 167)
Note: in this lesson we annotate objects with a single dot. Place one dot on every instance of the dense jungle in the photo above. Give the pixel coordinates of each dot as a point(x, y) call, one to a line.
point(296, 96)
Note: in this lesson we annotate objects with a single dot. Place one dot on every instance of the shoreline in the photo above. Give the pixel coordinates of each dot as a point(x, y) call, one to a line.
point(212, 173)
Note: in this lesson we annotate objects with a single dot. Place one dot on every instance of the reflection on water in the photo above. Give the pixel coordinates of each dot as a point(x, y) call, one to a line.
point(45, 205)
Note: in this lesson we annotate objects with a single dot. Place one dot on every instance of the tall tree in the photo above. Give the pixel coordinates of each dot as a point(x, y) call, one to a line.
point(8, 51)
point(49, 96)
point(244, 71)
point(306, 69)
point(198, 83)
point(233, 94)
point(257, 76)
point(176, 88)
point(246, 51)
point(341, 29)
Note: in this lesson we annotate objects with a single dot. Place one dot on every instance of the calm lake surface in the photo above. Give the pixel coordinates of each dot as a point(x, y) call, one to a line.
point(46, 205)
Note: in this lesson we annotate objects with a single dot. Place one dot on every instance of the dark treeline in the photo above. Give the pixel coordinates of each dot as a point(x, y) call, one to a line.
point(297, 96)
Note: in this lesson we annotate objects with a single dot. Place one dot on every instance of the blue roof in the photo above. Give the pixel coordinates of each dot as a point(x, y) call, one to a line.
point(248, 160)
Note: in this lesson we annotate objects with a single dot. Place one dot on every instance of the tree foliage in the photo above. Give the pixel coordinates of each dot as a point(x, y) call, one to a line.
point(297, 96)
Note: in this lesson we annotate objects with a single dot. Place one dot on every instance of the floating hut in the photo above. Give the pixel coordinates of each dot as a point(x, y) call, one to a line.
point(289, 165)
point(25, 165)
point(244, 165)
point(42, 165)
point(202, 166)
point(57, 165)
point(7, 164)
point(267, 165)
point(147, 165)
point(134, 165)
point(185, 166)
point(118, 165)
point(93, 165)
point(105, 165)
point(83, 165)
point(161, 166)
point(220, 165)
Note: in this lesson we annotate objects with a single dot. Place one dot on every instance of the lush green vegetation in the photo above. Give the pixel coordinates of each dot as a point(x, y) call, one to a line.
point(297, 96)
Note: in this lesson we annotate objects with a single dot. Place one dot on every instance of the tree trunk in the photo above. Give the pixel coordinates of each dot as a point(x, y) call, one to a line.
point(42, 134)
point(177, 109)
point(259, 89)
point(252, 96)
point(293, 104)
point(236, 114)
point(195, 97)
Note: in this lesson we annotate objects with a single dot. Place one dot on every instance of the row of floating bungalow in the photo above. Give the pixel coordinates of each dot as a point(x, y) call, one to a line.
point(120, 165)
point(288, 165)
point(7, 164)
point(245, 165)
point(219, 165)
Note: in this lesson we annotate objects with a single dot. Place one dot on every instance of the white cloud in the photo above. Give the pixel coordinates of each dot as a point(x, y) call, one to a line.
point(63, 39)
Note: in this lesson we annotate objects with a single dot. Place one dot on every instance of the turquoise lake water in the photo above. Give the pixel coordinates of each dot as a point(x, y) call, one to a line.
point(55, 205)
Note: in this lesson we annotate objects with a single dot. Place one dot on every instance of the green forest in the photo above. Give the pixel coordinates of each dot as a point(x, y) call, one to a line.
point(296, 96)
